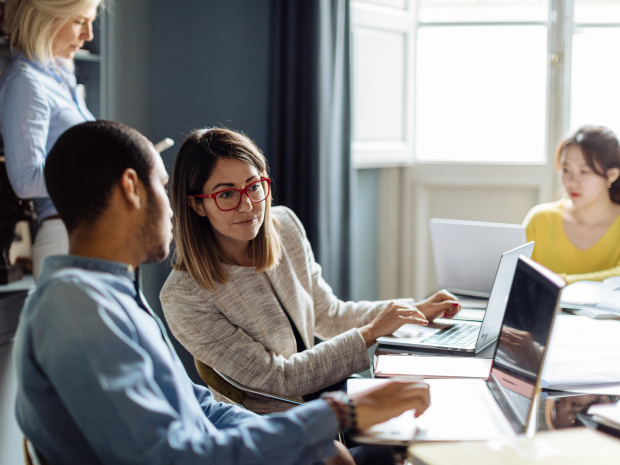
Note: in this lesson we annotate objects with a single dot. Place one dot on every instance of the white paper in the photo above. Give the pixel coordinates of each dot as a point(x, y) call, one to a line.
point(602, 296)
point(582, 351)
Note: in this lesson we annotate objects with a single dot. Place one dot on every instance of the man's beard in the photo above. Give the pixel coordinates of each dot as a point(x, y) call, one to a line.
point(156, 249)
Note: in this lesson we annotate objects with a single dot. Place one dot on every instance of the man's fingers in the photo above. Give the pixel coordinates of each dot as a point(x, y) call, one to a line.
point(418, 398)
point(420, 407)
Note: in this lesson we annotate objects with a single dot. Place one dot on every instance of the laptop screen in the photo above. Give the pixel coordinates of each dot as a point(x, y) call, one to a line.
point(526, 327)
point(466, 252)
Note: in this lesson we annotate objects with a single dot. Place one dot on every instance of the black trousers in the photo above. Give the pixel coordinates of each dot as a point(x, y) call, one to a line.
point(373, 455)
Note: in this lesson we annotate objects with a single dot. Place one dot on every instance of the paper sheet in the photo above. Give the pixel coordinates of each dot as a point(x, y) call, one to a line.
point(609, 412)
point(582, 351)
point(591, 294)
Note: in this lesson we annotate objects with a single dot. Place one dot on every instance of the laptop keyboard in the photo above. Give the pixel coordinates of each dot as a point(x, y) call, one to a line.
point(454, 336)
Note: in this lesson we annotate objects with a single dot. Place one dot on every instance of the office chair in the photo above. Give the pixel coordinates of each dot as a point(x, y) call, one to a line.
point(231, 389)
point(236, 392)
point(31, 456)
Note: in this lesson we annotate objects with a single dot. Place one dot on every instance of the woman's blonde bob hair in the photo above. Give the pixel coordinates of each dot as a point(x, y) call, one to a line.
point(33, 24)
point(197, 250)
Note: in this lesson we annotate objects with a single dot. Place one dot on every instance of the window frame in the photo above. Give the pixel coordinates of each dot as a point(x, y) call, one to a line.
point(560, 28)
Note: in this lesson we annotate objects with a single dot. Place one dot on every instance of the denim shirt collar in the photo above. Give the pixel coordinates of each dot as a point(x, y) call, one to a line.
point(49, 69)
point(57, 262)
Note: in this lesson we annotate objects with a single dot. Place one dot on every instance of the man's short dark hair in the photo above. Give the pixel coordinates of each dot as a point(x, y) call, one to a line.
point(86, 162)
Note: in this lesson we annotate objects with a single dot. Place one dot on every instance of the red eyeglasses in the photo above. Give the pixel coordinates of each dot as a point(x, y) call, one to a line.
point(229, 199)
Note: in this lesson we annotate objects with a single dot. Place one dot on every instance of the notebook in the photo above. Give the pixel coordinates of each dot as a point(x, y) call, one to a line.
point(467, 337)
point(466, 252)
point(501, 406)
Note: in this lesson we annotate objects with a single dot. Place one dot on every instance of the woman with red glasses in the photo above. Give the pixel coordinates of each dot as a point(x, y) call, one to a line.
point(246, 296)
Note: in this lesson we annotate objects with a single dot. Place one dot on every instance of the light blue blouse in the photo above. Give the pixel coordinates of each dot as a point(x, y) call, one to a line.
point(37, 104)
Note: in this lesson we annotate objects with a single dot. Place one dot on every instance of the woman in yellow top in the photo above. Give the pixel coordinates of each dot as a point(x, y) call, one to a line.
point(579, 235)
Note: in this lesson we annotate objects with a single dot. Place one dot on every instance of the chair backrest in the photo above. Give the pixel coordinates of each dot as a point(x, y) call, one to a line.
point(235, 391)
point(31, 456)
point(231, 389)
point(215, 381)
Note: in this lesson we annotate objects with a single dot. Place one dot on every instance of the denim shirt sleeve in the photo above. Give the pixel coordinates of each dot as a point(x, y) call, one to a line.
point(116, 379)
point(25, 120)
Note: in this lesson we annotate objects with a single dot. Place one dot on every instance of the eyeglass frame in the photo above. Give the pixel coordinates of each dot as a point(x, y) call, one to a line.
point(241, 192)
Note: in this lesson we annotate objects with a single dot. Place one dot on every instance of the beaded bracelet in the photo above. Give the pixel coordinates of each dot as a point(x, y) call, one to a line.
point(344, 408)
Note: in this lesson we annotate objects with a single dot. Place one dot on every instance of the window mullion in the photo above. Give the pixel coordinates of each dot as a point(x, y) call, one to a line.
point(559, 82)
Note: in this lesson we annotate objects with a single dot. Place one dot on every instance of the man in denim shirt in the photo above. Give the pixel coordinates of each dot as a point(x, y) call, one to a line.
point(99, 381)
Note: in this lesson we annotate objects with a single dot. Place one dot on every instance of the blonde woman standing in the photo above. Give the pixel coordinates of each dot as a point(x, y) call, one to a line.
point(38, 101)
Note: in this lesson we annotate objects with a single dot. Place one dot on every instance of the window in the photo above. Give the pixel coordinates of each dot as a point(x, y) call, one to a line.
point(480, 81)
point(595, 68)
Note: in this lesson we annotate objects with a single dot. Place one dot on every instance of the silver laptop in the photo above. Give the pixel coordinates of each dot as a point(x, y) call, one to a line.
point(466, 252)
point(503, 405)
point(469, 337)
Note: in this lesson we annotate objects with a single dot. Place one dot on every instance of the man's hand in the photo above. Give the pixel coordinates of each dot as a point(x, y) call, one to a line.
point(388, 400)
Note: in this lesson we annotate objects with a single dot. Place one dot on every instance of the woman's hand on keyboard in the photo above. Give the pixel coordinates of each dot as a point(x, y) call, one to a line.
point(442, 304)
point(392, 317)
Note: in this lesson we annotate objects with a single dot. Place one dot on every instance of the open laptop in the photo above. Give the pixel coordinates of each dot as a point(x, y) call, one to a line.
point(501, 406)
point(467, 337)
point(466, 252)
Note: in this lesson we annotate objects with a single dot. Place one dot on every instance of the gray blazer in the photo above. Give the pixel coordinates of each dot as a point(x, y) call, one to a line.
point(241, 330)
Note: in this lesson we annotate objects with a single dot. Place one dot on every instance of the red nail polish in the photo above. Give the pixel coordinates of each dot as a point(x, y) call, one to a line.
point(455, 305)
point(425, 323)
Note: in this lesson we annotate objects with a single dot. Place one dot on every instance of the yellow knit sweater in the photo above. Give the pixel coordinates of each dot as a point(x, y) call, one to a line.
point(544, 225)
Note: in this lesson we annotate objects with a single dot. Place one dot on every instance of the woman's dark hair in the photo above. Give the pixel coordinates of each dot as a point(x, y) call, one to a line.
point(196, 248)
point(87, 161)
point(601, 151)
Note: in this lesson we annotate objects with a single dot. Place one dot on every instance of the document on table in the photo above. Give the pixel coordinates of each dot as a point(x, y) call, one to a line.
point(598, 300)
point(606, 414)
point(582, 352)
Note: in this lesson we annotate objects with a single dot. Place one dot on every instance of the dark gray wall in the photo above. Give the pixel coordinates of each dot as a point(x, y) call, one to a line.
point(188, 64)
point(130, 70)
point(364, 247)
